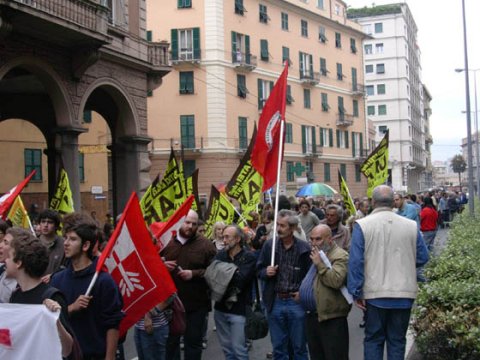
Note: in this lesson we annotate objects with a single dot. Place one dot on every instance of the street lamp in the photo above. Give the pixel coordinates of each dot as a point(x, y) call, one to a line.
point(477, 146)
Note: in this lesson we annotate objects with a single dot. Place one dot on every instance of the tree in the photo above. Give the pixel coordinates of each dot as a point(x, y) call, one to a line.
point(459, 166)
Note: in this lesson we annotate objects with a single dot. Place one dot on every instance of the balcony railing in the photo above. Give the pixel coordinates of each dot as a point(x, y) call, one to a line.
point(86, 13)
point(344, 119)
point(358, 90)
point(311, 150)
point(158, 53)
point(244, 61)
point(186, 56)
point(309, 77)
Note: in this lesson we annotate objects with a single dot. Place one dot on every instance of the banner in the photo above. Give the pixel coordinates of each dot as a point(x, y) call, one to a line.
point(219, 209)
point(62, 200)
point(163, 197)
point(18, 214)
point(375, 168)
point(7, 199)
point(29, 332)
point(133, 262)
point(246, 184)
point(347, 198)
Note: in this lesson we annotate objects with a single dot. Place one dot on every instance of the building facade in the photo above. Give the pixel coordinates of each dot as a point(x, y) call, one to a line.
point(60, 62)
point(226, 56)
point(394, 89)
point(427, 113)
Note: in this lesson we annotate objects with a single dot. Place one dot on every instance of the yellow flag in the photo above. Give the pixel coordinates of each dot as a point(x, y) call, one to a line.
point(18, 214)
point(62, 200)
point(375, 168)
point(347, 198)
point(219, 209)
point(191, 187)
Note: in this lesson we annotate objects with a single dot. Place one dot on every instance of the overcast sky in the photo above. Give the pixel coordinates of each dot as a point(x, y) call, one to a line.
point(440, 38)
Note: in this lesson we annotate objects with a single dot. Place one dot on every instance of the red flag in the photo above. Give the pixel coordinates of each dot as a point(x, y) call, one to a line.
point(7, 199)
point(267, 143)
point(133, 262)
point(5, 338)
point(163, 231)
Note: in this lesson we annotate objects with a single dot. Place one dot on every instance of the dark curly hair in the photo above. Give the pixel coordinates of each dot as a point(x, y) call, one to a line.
point(85, 227)
point(50, 215)
point(29, 250)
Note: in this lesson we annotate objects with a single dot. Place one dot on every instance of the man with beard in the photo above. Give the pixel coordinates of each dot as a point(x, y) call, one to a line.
point(286, 317)
point(327, 310)
point(187, 256)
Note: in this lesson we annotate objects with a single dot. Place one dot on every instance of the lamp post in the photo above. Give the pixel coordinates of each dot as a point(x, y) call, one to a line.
point(477, 145)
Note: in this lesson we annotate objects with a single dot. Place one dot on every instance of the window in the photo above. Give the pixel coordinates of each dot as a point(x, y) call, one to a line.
point(342, 139)
point(284, 21)
point(306, 98)
point(187, 131)
point(343, 171)
point(326, 137)
point(33, 161)
point(381, 89)
point(355, 108)
point(323, 66)
point(185, 44)
point(242, 133)
point(240, 48)
point(264, 88)
point(341, 108)
point(353, 46)
point(358, 174)
point(326, 172)
point(149, 35)
point(182, 4)
point(382, 129)
point(290, 171)
point(325, 106)
point(290, 98)
point(189, 167)
point(304, 28)
point(320, 4)
point(81, 167)
point(382, 109)
point(378, 28)
point(286, 55)
point(264, 50)
point(289, 133)
point(242, 90)
point(368, 49)
point(306, 66)
point(357, 143)
point(263, 16)
point(369, 69)
point(379, 48)
point(239, 8)
point(354, 79)
point(380, 68)
point(321, 34)
point(186, 82)
point(308, 140)
point(339, 72)
point(338, 40)
point(371, 110)
point(367, 29)
point(87, 116)
point(370, 90)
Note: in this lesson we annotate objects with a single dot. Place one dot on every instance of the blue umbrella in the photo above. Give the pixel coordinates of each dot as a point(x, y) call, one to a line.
point(316, 189)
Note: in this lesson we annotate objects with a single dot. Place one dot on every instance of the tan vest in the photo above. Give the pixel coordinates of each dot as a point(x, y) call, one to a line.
point(390, 255)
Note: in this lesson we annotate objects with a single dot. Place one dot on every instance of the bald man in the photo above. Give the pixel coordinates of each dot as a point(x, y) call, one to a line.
point(187, 256)
point(327, 310)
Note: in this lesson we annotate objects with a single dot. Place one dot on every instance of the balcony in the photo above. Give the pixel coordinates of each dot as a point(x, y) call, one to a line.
point(243, 61)
point(360, 155)
point(186, 57)
point(158, 53)
point(69, 23)
point(344, 120)
point(358, 90)
point(309, 78)
point(312, 151)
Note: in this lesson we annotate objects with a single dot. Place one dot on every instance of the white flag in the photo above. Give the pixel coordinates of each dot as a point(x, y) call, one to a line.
point(29, 332)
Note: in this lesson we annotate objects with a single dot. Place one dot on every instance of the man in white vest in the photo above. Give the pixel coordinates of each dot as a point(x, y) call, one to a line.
point(385, 250)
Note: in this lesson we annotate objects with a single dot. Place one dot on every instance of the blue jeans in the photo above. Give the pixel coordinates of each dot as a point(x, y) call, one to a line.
point(287, 326)
point(231, 335)
point(388, 325)
point(429, 237)
point(151, 346)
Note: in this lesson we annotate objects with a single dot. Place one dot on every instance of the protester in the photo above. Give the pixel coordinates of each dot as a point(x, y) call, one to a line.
point(340, 233)
point(428, 223)
point(7, 284)
point(49, 221)
point(187, 256)
point(286, 316)
point(384, 282)
point(217, 231)
point(26, 262)
point(405, 209)
point(308, 219)
point(362, 210)
point(95, 318)
point(327, 309)
point(264, 231)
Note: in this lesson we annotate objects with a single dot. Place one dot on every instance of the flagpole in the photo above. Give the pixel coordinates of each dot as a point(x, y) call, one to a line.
point(277, 190)
point(90, 287)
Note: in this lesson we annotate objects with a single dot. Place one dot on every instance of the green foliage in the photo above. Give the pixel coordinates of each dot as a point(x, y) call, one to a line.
point(447, 317)
point(458, 164)
point(374, 11)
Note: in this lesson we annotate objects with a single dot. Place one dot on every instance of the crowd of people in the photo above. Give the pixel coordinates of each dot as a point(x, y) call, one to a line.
point(323, 260)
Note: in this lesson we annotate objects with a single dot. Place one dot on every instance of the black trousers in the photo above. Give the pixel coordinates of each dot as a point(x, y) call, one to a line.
point(192, 338)
point(327, 340)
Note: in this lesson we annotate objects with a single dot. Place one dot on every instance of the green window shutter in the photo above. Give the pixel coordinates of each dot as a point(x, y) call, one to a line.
point(306, 98)
point(242, 132)
point(358, 177)
point(264, 49)
point(271, 83)
point(339, 71)
point(196, 43)
point(322, 140)
point(326, 172)
point(338, 138)
point(247, 49)
point(354, 78)
point(149, 35)
point(187, 131)
point(285, 54)
point(346, 139)
point(87, 116)
point(323, 66)
point(290, 99)
point(81, 167)
point(186, 82)
point(234, 46)
point(300, 61)
point(355, 108)
point(314, 140)
point(330, 135)
point(353, 144)
point(174, 44)
point(260, 94)
point(311, 65)
point(304, 140)
point(343, 171)
point(341, 108)
point(289, 133)
point(241, 86)
point(361, 144)
point(324, 102)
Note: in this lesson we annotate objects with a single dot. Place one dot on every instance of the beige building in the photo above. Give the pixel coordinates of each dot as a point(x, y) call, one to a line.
point(226, 55)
